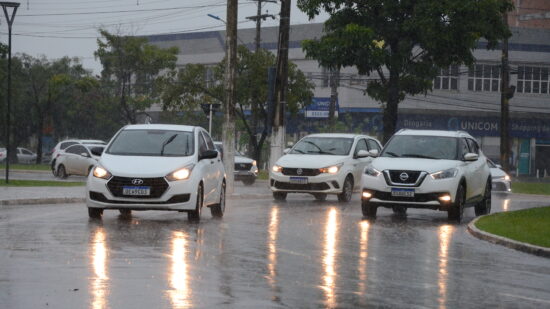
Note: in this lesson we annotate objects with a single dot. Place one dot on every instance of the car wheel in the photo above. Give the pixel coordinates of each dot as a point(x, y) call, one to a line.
point(125, 212)
point(249, 182)
point(61, 173)
point(95, 213)
point(369, 210)
point(320, 196)
point(456, 210)
point(399, 210)
point(217, 210)
point(347, 190)
point(484, 207)
point(195, 215)
point(54, 172)
point(279, 196)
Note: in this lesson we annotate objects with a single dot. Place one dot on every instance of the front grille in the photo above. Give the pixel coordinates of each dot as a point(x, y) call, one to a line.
point(418, 197)
point(306, 187)
point(243, 166)
point(179, 198)
point(304, 171)
point(158, 186)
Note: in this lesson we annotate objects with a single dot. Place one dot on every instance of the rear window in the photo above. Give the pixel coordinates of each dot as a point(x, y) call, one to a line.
point(66, 144)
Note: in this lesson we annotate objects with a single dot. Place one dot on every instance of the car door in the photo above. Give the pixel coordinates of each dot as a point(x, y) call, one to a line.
point(468, 168)
point(213, 170)
point(477, 168)
point(359, 164)
point(204, 167)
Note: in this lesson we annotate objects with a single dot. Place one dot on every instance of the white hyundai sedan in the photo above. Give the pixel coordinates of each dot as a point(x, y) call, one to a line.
point(322, 164)
point(158, 167)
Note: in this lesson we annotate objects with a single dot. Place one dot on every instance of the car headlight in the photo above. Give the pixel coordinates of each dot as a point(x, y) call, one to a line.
point(277, 168)
point(371, 171)
point(331, 169)
point(102, 173)
point(505, 178)
point(254, 163)
point(449, 173)
point(181, 174)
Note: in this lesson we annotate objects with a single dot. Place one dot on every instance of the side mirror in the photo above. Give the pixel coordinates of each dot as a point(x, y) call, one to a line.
point(471, 157)
point(208, 154)
point(362, 154)
point(85, 154)
point(374, 153)
point(97, 151)
point(286, 151)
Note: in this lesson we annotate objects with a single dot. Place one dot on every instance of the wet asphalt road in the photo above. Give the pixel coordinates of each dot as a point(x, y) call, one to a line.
point(262, 254)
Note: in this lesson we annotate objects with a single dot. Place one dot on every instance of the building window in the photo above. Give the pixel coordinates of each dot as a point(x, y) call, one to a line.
point(447, 78)
point(484, 77)
point(532, 79)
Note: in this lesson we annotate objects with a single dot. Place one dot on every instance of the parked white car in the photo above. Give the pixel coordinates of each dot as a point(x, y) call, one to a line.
point(61, 146)
point(323, 164)
point(441, 170)
point(245, 170)
point(25, 156)
point(501, 180)
point(3, 154)
point(158, 167)
point(77, 160)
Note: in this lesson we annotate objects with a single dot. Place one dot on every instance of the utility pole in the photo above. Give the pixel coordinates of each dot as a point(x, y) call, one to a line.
point(258, 18)
point(334, 83)
point(228, 135)
point(504, 104)
point(281, 85)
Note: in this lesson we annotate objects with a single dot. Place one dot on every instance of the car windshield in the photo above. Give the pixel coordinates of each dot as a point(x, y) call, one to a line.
point(426, 147)
point(152, 143)
point(337, 146)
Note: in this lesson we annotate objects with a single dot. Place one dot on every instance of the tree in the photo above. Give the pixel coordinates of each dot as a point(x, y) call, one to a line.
point(130, 68)
point(196, 83)
point(403, 42)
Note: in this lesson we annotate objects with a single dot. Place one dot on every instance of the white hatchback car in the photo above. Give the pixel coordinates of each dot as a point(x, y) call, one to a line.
point(442, 170)
point(158, 167)
point(77, 160)
point(322, 164)
point(59, 149)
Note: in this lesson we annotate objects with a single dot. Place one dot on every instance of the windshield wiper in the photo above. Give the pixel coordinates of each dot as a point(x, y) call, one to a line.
point(297, 150)
point(393, 154)
point(166, 142)
point(413, 155)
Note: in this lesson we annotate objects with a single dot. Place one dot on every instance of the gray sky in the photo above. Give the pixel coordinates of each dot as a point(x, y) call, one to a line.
point(57, 28)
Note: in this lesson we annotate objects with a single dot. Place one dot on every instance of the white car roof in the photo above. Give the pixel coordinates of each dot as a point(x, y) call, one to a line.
point(433, 133)
point(91, 141)
point(343, 135)
point(171, 127)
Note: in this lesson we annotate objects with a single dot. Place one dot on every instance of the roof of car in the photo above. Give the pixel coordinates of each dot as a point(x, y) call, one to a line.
point(172, 127)
point(344, 135)
point(433, 133)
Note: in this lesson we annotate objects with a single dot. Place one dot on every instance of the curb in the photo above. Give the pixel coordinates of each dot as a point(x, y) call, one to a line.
point(507, 242)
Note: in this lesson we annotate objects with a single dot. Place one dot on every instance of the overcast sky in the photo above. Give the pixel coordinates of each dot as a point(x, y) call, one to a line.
point(57, 28)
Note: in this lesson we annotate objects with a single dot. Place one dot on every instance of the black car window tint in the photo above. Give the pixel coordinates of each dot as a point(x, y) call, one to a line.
point(209, 142)
point(361, 145)
point(67, 144)
point(202, 144)
point(373, 145)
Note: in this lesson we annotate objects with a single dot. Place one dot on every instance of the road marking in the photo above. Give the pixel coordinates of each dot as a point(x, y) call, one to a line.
point(527, 298)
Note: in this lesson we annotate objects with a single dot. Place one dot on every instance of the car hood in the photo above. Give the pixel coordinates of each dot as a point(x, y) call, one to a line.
point(497, 172)
point(142, 166)
point(309, 161)
point(241, 159)
point(413, 164)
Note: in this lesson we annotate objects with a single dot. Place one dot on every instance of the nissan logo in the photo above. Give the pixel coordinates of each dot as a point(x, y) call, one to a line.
point(404, 176)
point(299, 171)
point(137, 181)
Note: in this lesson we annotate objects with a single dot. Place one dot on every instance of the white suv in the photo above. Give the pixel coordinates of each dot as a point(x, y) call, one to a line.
point(322, 164)
point(441, 170)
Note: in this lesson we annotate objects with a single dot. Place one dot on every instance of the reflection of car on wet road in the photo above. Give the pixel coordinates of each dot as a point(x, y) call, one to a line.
point(158, 167)
point(76, 160)
point(501, 180)
point(246, 169)
point(323, 164)
point(442, 170)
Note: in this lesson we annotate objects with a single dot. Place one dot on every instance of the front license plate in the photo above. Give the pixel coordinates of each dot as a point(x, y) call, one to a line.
point(298, 180)
point(136, 191)
point(402, 192)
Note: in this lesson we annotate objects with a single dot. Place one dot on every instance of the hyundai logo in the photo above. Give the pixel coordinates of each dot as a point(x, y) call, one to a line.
point(137, 181)
point(404, 176)
point(299, 171)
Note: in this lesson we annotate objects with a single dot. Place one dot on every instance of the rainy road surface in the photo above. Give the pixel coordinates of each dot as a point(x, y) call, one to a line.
point(262, 254)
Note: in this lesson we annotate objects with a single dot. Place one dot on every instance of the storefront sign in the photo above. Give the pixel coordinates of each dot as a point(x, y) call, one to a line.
point(320, 108)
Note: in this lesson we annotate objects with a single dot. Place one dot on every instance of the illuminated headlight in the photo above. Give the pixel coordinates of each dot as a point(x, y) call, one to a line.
point(507, 178)
point(277, 168)
point(102, 173)
point(254, 163)
point(180, 174)
point(450, 173)
point(371, 171)
point(331, 169)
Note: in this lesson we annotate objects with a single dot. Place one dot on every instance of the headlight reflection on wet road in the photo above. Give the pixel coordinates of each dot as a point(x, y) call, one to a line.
point(180, 295)
point(445, 232)
point(99, 284)
point(363, 255)
point(329, 256)
point(272, 247)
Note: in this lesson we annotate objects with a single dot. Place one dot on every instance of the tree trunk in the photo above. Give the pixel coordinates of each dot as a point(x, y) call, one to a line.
point(390, 112)
point(39, 134)
point(334, 81)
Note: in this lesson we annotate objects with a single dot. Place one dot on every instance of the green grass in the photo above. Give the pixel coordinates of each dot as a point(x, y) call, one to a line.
point(39, 183)
point(531, 188)
point(27, 167)
point(530, 225)
point(263, 175)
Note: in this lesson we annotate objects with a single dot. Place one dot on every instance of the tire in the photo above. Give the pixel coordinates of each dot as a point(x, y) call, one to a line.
point(484, 207)
point(321, 197)
point(125, 212)
point(54, 172)
point(279, 196)
point(95, 213)
point(217, 210)
point(456, 211)
point(195, 215)
point(347, 190)
point(61, 172)
point(249, 182)
point(369, 210)
point(399, 210)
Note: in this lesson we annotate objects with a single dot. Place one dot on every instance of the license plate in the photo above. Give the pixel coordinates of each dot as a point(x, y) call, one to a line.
point(136, 190)
point(402, 192)
point(298, 180)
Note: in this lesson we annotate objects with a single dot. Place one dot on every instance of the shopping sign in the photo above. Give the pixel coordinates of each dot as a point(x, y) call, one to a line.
point(319, 108)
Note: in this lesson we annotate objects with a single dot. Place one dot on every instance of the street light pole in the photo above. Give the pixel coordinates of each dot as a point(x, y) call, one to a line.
point(5, 6)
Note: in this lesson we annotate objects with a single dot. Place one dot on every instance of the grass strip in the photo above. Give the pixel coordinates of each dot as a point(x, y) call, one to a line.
point(529, 225)
point(263, 175)
point(40, 183)
point(541, 188)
